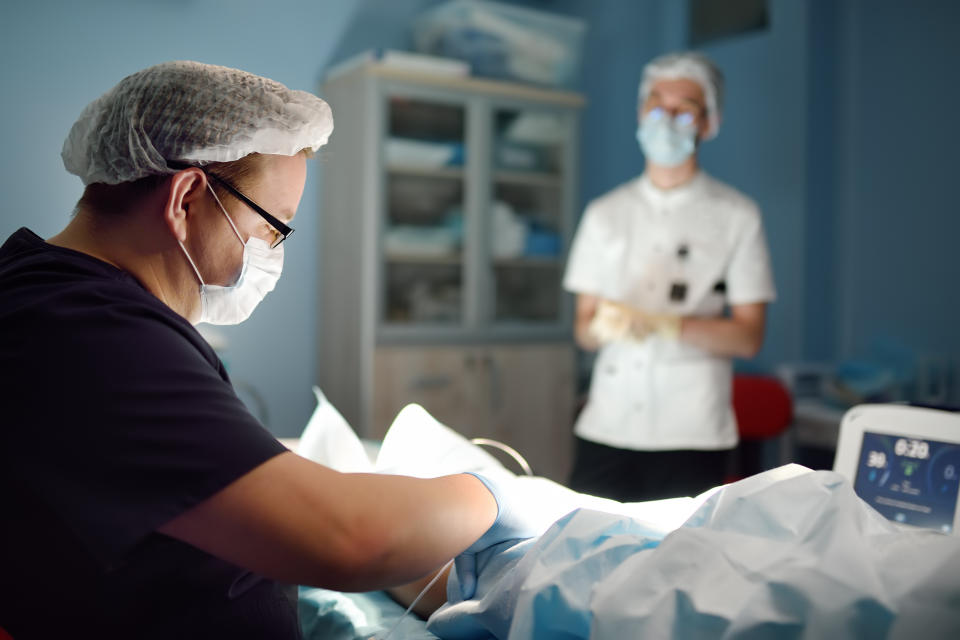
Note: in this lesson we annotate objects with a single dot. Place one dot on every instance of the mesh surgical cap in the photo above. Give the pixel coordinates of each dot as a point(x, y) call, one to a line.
point(692, 66)
point(194, 113)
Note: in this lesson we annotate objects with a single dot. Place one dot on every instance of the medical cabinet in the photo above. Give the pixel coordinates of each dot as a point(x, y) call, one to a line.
point(448, 204)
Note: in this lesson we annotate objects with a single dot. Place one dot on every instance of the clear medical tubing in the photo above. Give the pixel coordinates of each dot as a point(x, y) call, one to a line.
point(513, 453)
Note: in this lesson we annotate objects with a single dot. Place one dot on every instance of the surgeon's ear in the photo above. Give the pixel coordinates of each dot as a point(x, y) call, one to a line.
point(187, 187)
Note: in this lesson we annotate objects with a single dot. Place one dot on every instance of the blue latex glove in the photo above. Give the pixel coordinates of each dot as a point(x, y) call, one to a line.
point(509, 525)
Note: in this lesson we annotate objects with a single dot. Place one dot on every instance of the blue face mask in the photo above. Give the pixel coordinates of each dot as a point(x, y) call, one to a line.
point(667, 141)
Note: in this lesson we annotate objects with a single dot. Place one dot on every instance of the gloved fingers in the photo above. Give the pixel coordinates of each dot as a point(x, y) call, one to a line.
point(670, 326)
point(466, 566)
point(610, 322)
point(641, 325)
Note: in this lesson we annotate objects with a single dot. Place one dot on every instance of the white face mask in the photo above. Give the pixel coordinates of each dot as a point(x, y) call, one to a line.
point(667, 141)
point(258, 276)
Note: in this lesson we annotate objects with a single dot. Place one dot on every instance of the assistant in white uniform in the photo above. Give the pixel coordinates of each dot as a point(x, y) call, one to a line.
point(672, 276)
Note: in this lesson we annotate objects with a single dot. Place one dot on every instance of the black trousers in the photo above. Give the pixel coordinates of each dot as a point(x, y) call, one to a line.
point(634, 476)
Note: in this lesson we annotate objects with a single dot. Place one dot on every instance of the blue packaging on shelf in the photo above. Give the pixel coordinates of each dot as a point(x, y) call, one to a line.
point(504, 41)
point(542, 242)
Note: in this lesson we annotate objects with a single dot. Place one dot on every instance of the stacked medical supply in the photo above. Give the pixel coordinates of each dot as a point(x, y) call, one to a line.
point(504, 41)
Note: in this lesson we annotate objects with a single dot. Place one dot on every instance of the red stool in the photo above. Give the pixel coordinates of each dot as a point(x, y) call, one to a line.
point(764, 409)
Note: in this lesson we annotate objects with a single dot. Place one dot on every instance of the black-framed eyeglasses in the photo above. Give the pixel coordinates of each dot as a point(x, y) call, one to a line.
point(282, 231)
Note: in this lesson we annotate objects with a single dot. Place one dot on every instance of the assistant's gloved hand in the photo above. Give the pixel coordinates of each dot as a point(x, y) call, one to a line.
point(615, 321)
point(611, 322)
point(666, 325)
point(509, 525)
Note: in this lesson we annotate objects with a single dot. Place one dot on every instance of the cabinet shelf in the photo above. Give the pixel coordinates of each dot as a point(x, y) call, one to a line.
point(528, 178)
point(413, 171)
point(423, 259)
point(534, 262)
point(504, 332)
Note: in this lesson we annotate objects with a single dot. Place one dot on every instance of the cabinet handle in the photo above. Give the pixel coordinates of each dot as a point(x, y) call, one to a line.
point(493, 377)
point(428, 383)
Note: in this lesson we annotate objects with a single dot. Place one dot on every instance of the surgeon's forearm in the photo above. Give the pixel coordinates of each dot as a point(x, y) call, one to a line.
point(739, 336)
point(412, 526)
point(293, 520)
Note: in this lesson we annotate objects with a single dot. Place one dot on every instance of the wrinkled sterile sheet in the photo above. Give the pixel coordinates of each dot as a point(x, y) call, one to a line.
point(789, 553)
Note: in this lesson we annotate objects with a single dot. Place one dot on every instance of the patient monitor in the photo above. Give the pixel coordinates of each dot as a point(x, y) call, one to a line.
point(904, 462)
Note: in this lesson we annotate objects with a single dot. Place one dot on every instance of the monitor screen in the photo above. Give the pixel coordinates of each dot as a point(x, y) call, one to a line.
point(910, 480)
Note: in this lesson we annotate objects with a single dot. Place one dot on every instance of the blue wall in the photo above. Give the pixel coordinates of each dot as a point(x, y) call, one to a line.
point(821, 226)
point(896, 194)
point(839, 123)
point(58, 56)
point(761, 148)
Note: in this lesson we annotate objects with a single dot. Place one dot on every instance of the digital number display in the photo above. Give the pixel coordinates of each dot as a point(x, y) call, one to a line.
point(910, 480)
point(910, 448)
point(877, 460)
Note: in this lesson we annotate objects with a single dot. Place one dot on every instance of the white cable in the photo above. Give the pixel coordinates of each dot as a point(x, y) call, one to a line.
point(513, 453)
point(417, 599)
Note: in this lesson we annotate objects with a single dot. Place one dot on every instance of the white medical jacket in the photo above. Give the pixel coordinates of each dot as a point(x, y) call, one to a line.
point(691, 250)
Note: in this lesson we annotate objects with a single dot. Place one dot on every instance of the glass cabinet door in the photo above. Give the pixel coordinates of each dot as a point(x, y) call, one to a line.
point(525, 220)
point(422, 238)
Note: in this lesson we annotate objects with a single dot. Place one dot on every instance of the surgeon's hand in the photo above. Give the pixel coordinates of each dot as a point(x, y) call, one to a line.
point(509, 525)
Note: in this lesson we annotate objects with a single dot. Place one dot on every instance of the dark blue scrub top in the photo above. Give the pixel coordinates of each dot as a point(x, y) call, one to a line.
point(115, 417)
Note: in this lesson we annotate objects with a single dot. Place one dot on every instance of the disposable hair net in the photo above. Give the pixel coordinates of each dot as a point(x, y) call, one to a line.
point(190, 112)
point(693, 66)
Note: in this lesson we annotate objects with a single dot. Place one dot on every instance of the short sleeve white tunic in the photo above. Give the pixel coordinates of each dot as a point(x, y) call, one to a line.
point(687, 251)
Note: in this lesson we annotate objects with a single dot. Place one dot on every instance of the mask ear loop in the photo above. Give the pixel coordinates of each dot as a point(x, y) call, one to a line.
point(232, 226)
point(224, 210)
point(190, 260)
